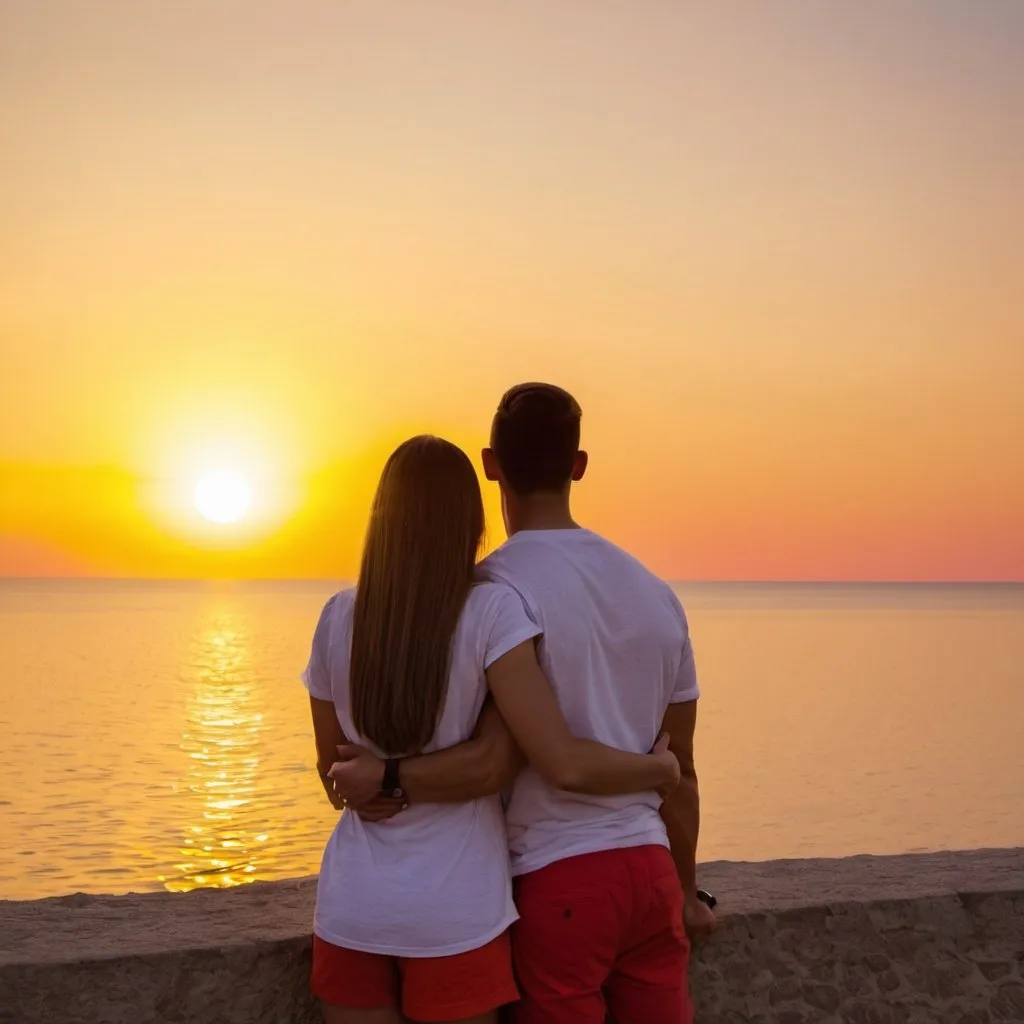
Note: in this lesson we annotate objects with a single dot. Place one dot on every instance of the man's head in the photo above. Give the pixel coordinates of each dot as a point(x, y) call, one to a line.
point(535, 441)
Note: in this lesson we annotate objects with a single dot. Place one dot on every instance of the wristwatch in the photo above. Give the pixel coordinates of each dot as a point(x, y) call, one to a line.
point(392, 784)
point(705, 897)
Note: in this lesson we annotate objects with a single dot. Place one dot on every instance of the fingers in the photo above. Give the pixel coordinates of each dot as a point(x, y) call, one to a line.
point(699, 920)
point(357, 779)
point(381, 808)
point(661, 746)
point(348, 751)
point(337, 801)
point(342, 769)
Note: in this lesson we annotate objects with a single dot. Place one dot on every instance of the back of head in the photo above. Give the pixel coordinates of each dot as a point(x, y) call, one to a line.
point(426, 525)
point(535, 437)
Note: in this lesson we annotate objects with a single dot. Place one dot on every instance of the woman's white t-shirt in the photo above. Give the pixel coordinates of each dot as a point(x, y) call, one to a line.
point(435, 879)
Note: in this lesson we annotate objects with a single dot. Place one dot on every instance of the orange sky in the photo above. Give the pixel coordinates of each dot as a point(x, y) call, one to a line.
point(776, 250)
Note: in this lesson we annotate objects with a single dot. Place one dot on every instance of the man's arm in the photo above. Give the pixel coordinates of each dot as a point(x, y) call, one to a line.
point(681, 809)
point(531, 710)
point(681, 813)
point(481, 766)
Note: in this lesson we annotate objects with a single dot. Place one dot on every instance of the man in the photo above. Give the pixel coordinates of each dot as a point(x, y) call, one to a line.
point(602, 901)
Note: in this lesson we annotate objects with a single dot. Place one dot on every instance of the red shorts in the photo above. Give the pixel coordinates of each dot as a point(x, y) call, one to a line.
point(602, 934)
point(442, 988)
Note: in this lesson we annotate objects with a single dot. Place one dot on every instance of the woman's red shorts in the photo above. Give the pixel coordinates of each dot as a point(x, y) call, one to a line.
point(425, 988)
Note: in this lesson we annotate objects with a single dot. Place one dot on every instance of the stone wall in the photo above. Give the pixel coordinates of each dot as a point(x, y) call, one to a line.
point(926, 939)
point(956, 959)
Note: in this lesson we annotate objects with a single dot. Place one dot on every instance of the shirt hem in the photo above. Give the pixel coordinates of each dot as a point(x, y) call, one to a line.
point(653, 838)
point(510, 642)
point(307, 682)
point(685, 698)
point(417, 952)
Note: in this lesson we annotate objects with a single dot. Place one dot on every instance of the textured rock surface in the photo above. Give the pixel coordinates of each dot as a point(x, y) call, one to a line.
point(866, 940)
point(932, 960)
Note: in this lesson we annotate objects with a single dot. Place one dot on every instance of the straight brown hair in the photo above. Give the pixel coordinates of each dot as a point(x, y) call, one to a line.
point(426, 526)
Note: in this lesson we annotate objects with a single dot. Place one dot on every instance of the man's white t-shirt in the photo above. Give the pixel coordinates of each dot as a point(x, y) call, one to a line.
point(434, 880)
point(616, 649)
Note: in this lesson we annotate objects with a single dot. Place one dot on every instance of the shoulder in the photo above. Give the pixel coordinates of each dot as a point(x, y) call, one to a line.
point(515, 563)
point(488, 597)
point(339, 603)
point(499, 607)
point(496, 563)
point(503, 572)
point(669, 594)
point(500, 620)
point(670, 601)
point(642, 574)
point(644, 579)
point(337, 610)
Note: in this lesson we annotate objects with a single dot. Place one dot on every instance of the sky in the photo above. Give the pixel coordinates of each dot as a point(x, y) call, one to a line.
point(775, 250)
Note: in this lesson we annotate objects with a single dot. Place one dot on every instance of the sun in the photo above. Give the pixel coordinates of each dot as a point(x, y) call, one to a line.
point(222, 496)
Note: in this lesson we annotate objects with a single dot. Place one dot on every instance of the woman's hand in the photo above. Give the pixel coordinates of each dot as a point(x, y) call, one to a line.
point(328, 783)
point(358, 775)
point(669, 762)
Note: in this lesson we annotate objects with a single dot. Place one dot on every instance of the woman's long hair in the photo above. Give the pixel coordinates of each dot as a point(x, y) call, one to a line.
point(426, 525)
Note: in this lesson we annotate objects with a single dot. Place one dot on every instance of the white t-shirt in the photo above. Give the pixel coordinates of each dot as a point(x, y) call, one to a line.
point(434, 880)
point(616, 649)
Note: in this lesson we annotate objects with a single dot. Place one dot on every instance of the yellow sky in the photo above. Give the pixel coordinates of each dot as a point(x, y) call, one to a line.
point(776, 250)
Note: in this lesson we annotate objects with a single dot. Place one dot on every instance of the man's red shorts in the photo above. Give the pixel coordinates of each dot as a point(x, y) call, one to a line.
point(443, 988)
point(602, 934)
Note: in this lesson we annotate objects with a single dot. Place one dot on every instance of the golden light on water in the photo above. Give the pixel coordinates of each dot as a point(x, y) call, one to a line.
point(222, 740)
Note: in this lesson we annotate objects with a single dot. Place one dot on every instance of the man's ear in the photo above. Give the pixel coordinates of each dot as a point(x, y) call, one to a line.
point(579, 467)
point(490, 464)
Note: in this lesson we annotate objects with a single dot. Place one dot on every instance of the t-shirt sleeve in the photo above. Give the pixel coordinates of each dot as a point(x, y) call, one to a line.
point(317, 676)
point(511, 624)
point(686, 688)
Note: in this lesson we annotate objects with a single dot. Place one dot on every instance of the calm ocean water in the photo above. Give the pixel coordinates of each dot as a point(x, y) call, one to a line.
point(156, 735)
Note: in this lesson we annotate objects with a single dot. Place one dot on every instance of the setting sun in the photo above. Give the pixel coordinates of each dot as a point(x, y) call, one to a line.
point(222, 496)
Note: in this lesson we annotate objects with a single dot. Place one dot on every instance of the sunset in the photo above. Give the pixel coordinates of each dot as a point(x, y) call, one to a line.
point(777, 259)
point(511, 511)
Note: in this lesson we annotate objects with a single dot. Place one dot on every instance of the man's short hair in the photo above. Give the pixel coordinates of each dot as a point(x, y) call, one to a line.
point(535, 437)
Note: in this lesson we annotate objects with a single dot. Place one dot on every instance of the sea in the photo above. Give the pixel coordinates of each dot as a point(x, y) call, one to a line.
point(156, 736)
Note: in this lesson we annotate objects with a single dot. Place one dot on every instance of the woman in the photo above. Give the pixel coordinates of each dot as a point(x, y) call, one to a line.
point(412, 913)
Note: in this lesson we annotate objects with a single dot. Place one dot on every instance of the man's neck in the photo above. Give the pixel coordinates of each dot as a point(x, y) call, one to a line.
point(541, 511)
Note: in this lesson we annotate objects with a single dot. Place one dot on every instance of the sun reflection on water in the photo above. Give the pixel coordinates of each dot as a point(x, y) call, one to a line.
point(222, 740)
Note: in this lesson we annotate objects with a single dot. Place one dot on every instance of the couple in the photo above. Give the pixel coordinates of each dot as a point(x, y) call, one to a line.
point(559, 672)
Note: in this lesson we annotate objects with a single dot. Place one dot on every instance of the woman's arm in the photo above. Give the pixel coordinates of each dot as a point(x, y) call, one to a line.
point(329, 736)
point(530, 709)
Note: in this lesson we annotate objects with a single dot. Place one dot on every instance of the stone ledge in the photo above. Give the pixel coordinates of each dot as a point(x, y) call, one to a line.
point(922, 938)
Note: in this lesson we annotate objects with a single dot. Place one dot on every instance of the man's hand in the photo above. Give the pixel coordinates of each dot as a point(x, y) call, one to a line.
point(698, 919)
point(358, 774)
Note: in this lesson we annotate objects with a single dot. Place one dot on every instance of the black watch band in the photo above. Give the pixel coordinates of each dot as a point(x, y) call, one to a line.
point(392, 784)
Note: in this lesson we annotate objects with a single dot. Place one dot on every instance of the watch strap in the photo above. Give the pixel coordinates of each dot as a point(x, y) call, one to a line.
point(392, 783)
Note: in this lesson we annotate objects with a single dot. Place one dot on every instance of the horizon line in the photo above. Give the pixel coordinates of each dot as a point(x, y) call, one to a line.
point(678, 581)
